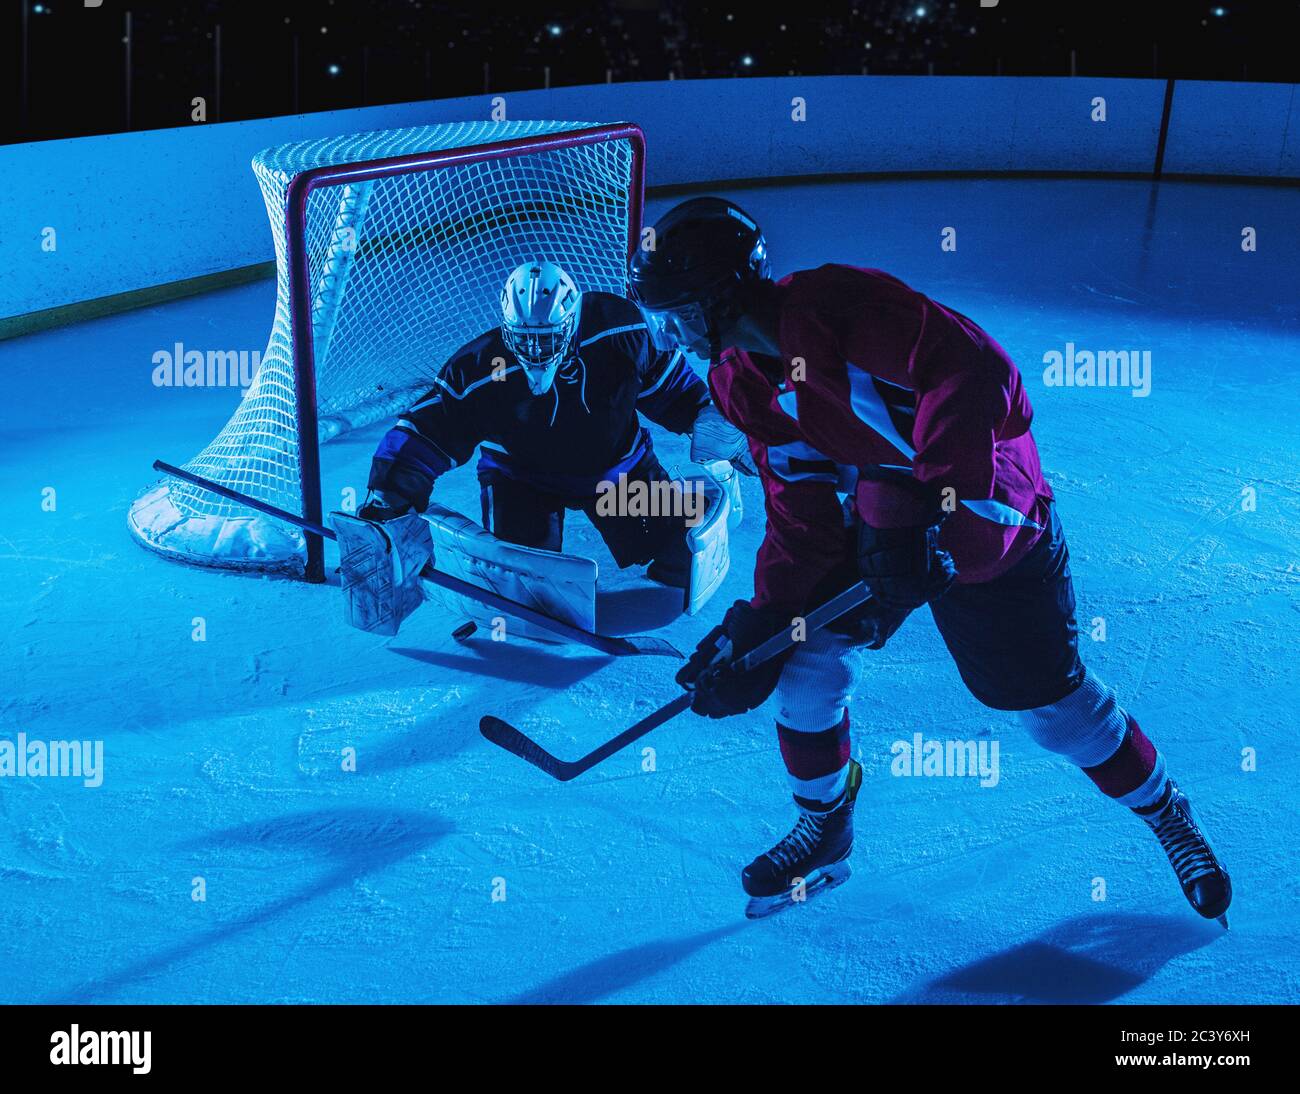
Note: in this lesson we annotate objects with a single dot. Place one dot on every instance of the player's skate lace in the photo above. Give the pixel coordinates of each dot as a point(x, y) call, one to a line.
point(801, 841)
point(1183, 842)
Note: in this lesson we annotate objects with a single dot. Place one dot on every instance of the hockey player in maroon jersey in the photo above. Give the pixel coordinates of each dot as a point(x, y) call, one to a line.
point(892, 436)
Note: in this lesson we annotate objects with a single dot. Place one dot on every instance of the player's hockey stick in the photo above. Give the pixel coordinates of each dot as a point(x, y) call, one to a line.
point(502, 733)
point(614, 647)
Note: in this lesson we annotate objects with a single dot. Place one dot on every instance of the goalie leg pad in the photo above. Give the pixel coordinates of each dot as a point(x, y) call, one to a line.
point(563, 586)
point(379, 569)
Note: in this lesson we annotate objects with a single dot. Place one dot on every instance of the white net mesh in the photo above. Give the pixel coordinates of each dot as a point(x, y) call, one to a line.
point(404, 269)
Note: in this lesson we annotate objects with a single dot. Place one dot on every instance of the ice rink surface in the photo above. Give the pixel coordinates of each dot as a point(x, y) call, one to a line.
point(223, 758)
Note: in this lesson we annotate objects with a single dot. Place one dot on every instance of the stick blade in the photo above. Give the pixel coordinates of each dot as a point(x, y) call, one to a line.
point(649, 646)
point(502, 734)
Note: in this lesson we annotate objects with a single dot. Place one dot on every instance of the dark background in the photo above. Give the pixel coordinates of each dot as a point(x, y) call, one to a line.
point(84, 74)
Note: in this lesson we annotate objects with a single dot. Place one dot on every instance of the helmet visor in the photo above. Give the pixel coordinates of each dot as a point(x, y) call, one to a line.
point(685, 327)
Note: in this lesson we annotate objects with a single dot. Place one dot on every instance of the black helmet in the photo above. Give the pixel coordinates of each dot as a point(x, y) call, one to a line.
point(689, 281)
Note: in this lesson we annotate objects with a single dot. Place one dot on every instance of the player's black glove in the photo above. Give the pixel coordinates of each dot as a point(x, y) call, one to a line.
point(719, 688)
point(905, 567)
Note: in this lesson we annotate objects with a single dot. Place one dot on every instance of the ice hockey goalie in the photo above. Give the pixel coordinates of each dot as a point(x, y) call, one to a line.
point(552, 400)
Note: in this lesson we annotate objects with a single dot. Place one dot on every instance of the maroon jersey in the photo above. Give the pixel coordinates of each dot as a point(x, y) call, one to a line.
point(878, 384)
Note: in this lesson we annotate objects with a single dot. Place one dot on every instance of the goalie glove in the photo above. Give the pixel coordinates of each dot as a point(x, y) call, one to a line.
point(379, 568)
point(714, 438)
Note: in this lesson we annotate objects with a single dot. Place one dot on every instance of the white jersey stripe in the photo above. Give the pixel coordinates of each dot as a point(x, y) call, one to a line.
point(458, 395)
point(612, 331)
point(870, 409)
point(672, 364)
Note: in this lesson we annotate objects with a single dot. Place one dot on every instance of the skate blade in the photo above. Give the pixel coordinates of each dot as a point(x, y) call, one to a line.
point(822, 881)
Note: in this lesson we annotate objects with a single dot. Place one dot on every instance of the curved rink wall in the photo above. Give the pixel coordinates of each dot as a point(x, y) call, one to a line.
point(138, 210)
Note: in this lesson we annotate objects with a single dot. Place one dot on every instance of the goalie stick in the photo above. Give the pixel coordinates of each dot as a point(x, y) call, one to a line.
point(503, 734)
point(615, 647)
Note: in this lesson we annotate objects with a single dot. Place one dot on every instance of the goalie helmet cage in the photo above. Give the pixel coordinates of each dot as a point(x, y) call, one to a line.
point(391, 251)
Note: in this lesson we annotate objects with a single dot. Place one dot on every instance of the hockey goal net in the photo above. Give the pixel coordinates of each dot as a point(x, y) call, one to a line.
point(391, 250)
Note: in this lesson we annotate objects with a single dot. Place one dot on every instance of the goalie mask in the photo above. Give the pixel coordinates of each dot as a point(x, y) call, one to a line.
point(690, 285)
point(539, 313)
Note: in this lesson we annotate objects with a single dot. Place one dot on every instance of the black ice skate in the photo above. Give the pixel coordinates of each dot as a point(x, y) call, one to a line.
point(1205, 883)
point(813, 858)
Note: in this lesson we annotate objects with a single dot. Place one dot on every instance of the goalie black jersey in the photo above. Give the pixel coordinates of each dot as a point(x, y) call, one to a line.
point(585, 430)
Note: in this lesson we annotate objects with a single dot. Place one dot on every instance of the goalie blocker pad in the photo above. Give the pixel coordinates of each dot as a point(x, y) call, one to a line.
point(708, 543)
point(728, 478)
point(379, 569)
point(561, 585)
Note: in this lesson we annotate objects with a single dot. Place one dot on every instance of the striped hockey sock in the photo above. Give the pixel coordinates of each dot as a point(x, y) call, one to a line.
point(817, 763)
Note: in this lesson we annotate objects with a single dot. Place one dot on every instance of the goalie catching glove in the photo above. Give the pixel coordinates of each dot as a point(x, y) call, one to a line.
point(719, 687)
